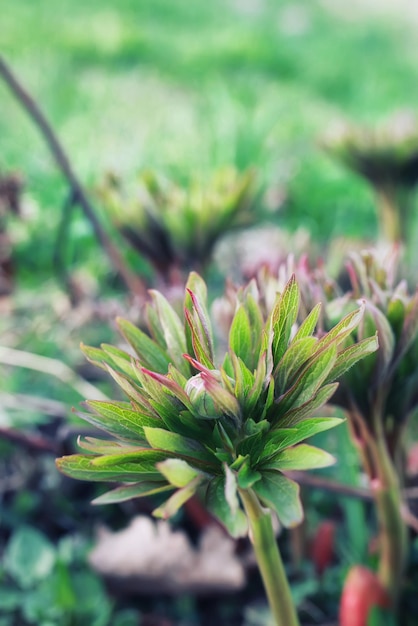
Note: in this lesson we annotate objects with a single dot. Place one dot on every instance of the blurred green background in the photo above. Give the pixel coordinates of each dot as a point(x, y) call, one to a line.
point(183, 87)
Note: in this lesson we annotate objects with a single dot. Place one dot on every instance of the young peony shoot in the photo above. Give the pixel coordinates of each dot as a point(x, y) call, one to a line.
point(230, 429)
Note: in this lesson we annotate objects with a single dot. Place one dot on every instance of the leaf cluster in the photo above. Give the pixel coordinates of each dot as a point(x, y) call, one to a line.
point(192, 423)
point(388, 379)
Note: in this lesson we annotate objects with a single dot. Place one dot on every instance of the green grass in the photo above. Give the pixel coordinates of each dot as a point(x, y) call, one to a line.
point(181, 87)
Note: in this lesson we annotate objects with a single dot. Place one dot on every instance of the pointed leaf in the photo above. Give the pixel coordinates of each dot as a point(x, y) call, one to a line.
point(281, 495)
point(150, 354)
point(161, 439)
point(198, 317)
point(173, 332)
point(283, 317)
point(304, 411)
point(308, 325)
point(119, 419)
point(135, 490)
point(295, 356)
point(351, 355)
point(301, 457)
point(310, 380)
point(343, 328)
point(376, 320)
point(98, 447)
point(178, 472)
point(179, 497)
point(97, 356)
point(115, 468)
point(217, 504)
point(247, 476)
point(240, 337)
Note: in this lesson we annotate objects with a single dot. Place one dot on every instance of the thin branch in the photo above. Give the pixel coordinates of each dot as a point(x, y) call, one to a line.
point(52, 367)
point(29, 440)
point(134, 284)
point(319, 482)
point(59, 247)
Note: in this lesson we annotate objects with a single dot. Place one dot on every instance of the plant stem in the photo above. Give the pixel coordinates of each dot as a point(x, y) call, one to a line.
point(269, 561)
point(393, 529)
point(390, 217)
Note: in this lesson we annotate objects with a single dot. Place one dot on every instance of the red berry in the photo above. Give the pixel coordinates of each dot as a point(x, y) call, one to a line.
point(362, 591)
point(322, 546)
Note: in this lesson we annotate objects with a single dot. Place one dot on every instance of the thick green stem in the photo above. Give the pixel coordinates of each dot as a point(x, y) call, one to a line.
point(269, 561)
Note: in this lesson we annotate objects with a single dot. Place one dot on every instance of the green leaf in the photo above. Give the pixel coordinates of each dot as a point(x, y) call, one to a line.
point(281, 495)
point(295, 356)
point(409, 331)
point(97, 356)
point(283, 317)
point(244, 379)
point(168, 383)
point(173, 332)
point(176, 501)
point(308, 325)
point(282, 438)
point(376, 320)
point(396, 314)
point(300, 413)
point(199, 332)
point(135, 490)
point(109, 446)
point(122, 361)
point(351, 355)
point(132, 391)
point(118, 468)
point(173, 442)
point(309, 381)
point(301, 457)
point(343, 328)
point(247, 476)
point(29, 557)
point(150, 354)
point(240, 337)
point(119, 419)
point(256, 323)
point(199, 347)
point(177, 471)
point(216, 502)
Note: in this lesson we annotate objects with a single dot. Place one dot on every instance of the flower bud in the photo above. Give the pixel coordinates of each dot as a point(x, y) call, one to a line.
point(200, 398)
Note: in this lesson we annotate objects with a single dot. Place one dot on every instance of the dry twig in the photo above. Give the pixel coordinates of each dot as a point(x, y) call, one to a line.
point(134, 284)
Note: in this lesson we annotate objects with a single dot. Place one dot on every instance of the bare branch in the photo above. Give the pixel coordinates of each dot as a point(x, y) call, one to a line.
point(319, 482)
point(134, 284)
point(29, 440)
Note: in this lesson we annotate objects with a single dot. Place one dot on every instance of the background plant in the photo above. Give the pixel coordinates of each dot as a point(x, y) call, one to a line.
point(387, 157)
point(379, 395)
point(176, 228)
